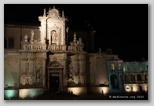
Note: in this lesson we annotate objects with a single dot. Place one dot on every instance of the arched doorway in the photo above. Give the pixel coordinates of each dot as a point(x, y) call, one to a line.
point(54, 82)
point(114, 81)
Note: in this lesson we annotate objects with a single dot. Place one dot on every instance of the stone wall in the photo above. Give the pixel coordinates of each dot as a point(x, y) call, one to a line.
point(11, 69)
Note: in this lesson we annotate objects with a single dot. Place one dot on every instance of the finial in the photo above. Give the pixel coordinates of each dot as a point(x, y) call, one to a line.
point(44, 13)
point(100, 50)
point(63, 14)
point(67, 29)
point(74, 40)
point(74, 35)
point(54, 7)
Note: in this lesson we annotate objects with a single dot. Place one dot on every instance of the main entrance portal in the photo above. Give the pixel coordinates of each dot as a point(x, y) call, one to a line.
point(54, 82)
point(55, 79)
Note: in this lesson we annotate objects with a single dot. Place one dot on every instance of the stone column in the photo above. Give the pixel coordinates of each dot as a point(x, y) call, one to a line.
point(43, 33)
point(44, 72)
point(64, 70)
point(48, 81)
point(61, 79)
point(75, 68)
point(82, 69)
point(142, 77)
point(110, 86)
point(63, 34)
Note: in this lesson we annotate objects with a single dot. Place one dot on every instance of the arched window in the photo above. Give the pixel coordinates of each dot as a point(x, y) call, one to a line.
point(139, 77)
point(132, 78)
point(126, 78)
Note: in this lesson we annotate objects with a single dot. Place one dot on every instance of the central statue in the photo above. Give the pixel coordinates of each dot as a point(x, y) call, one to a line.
point(54, 37)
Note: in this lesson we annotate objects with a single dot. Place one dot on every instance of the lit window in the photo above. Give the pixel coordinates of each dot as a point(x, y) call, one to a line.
point(119, 66)
point(112, 67)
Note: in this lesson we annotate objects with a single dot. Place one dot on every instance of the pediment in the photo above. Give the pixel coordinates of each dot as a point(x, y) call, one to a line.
point(54, 64)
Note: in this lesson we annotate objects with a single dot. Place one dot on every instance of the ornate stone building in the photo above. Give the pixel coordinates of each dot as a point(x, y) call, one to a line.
point(38, 59)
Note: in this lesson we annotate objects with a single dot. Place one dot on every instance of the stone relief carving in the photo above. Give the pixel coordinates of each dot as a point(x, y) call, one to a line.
point(27, 66)
point(38, 75)
point(53, 13)
point(26, 80)
point(70, 71)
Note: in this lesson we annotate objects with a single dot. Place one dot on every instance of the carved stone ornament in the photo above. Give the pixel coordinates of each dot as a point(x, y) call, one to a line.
point(53, 64)
point(53, 13)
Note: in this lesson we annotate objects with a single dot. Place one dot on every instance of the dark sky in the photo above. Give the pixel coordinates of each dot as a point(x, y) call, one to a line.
point(121, 27)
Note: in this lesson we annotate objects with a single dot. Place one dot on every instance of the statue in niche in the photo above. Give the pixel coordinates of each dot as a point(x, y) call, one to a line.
point(54, 37)
point(70, 75)
point(38, 75)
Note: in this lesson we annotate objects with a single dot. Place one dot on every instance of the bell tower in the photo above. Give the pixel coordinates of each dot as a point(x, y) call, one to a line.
point(52, 27)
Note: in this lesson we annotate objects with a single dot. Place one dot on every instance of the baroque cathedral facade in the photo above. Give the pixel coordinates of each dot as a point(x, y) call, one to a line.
point(38, 58)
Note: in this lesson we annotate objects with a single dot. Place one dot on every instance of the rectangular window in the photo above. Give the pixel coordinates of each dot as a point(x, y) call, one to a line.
point(112, 67)
point(119, 67)
point(11, 43)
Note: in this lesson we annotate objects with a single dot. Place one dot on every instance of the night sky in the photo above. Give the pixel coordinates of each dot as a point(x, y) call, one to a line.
point(121, 27)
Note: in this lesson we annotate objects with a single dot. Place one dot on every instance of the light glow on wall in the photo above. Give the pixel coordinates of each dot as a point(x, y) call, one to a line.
point(146, 88)
point(23, 93)
point(77, 90)
point(30, 93)
point(10, 93)
point(128, 88)
point(135, 88)
point(103, 90)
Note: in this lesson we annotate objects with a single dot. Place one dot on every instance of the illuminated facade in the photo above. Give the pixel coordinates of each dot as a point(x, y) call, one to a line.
point(38, 59)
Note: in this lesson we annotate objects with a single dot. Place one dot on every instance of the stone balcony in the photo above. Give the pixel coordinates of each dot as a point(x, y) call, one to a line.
point(34, 47)
point(75, 48)
point(57, 47)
